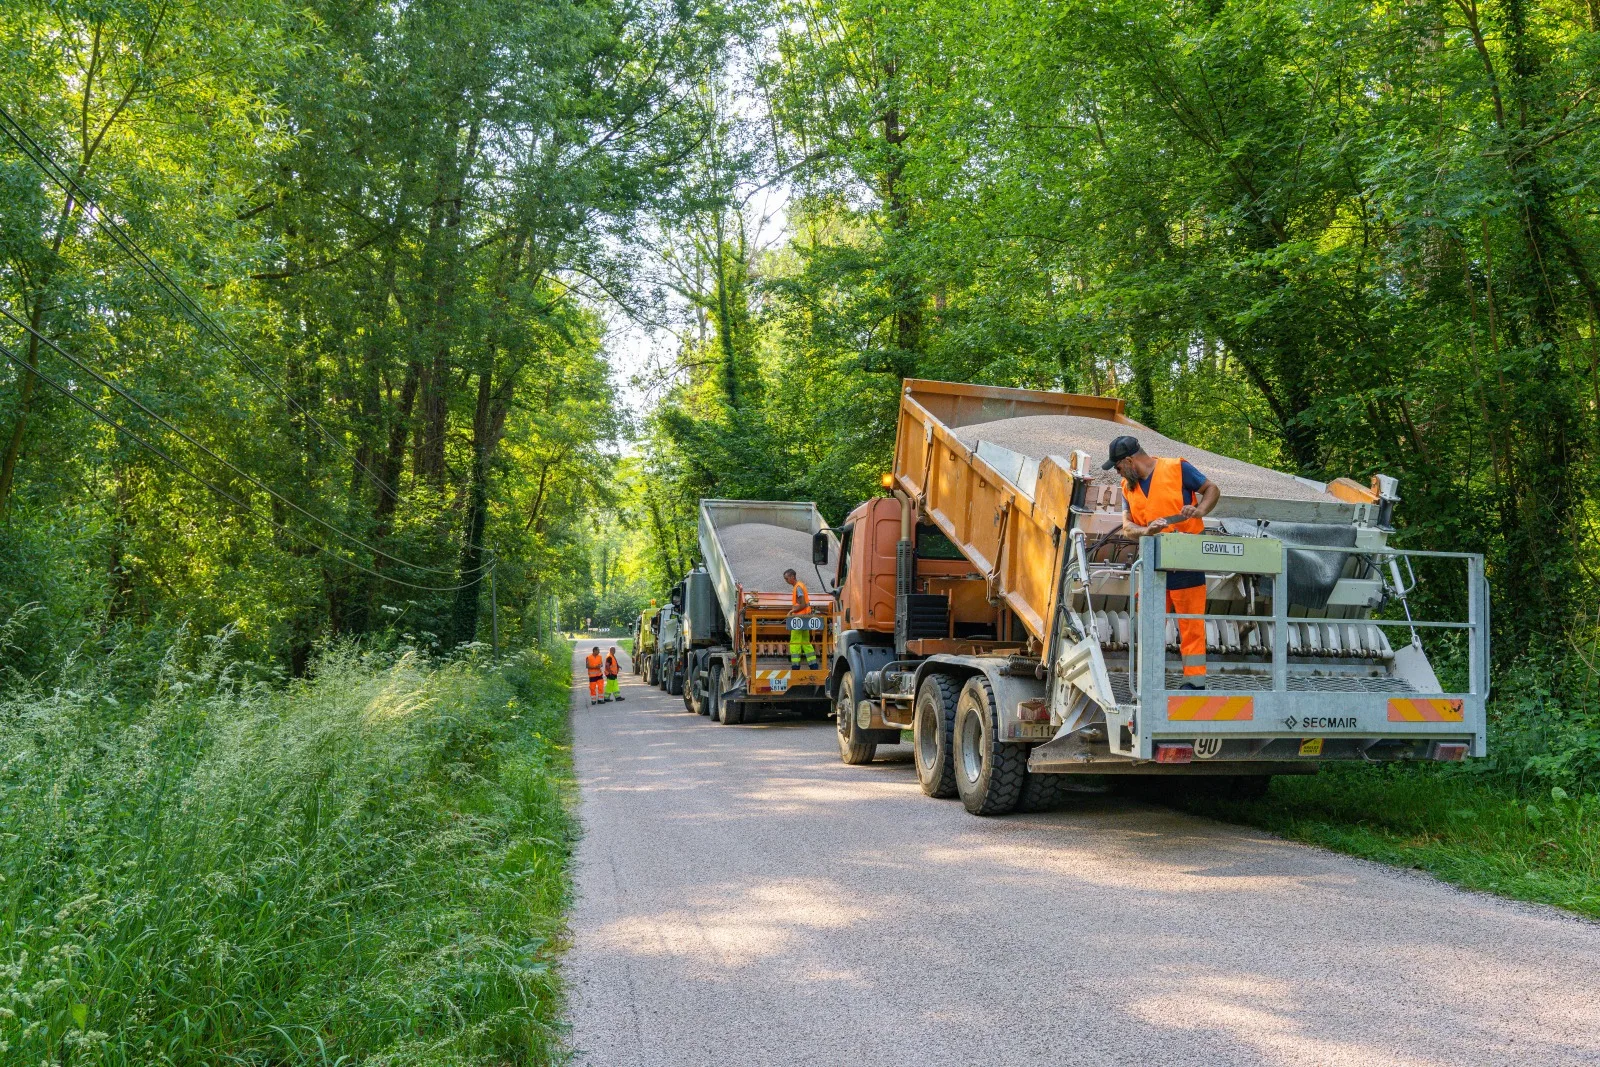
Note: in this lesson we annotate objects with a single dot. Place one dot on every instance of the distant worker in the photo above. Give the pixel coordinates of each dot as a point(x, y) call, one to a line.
point(1170, 496)
point(800, 646)
point(613, 668)
point(595, 666)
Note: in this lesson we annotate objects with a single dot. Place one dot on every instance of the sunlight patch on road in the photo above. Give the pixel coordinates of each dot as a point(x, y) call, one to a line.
point(1261, 1014)
point(737, 929)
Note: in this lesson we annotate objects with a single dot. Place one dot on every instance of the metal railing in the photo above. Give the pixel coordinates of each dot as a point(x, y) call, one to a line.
point(1149, 605)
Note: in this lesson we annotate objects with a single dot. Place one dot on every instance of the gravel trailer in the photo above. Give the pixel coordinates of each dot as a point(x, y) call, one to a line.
point(747, 545)
point(992, 605)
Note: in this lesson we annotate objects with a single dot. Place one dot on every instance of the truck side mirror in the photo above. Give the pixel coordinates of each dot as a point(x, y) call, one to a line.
point(819, 548)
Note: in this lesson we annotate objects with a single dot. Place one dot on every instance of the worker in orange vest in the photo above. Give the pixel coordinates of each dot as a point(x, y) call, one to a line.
point(800, 646)
point(595, 666)
point(613, 668)
point(1170, 496)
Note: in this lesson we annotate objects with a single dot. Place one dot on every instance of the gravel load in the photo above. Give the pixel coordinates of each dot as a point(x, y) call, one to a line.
point(758, 554)
point(1037, 436)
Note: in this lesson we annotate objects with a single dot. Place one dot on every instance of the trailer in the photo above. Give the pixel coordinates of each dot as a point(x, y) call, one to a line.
point(993, 611)
point(746, 546)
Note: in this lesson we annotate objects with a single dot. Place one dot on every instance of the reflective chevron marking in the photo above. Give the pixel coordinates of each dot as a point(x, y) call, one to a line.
point(1210, 709)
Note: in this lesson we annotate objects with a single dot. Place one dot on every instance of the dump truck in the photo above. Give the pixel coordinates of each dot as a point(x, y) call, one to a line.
point(645, 628)
point(993, 612)
point(746, 546)
point(698, 626)
point(669, 642)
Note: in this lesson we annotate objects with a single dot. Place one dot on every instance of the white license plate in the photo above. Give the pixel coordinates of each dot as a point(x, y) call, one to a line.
point(780, 685)
point(1035, 731)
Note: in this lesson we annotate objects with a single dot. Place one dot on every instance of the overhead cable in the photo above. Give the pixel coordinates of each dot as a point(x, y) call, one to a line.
point(41, 158)
point(137, 438)
point(252, 479)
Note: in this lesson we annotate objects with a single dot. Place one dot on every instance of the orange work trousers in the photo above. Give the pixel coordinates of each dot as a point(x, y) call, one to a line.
point(597, 684)
point(1191, 632)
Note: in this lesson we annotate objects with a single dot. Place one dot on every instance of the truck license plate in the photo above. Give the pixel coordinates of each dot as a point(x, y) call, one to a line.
point(780, 685)
point(1035, 731)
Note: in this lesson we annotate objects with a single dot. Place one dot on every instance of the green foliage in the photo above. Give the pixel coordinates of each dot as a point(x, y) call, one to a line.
point(368, 865)
point(388, 209)
point(1339, 239)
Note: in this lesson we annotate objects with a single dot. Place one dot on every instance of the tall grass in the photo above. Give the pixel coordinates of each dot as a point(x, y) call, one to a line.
point(366, 867)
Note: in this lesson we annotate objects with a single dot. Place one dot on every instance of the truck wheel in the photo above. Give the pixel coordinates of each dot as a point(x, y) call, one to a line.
point(852, 749)
point(728, 712)
point(1043, 792)
point(675, 682)
point(989, 772)
point(934, 727)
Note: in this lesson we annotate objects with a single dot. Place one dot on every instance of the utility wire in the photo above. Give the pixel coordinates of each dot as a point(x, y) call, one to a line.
point(252, 479)
point(41, 158)
point(67, 392)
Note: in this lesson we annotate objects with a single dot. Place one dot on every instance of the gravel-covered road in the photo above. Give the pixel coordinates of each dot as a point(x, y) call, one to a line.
point(744, 898)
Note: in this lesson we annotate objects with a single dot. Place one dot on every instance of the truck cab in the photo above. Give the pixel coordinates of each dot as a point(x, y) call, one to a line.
point(946, 608)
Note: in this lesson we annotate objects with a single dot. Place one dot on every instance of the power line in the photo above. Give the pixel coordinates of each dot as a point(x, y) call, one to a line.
point(22, 364)
point(40, 157)
point(252, 479)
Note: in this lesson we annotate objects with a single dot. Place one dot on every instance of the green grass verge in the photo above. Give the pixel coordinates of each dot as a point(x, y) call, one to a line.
point(368, 867)
point(1465, 828)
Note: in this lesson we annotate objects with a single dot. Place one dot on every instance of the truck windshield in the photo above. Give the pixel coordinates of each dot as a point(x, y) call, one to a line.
point(932, 544)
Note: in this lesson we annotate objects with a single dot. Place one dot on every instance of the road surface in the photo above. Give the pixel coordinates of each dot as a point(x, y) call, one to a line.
point(744, 898)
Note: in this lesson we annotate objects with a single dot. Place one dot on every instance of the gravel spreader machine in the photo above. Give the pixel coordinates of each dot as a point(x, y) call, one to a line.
point(992, 605)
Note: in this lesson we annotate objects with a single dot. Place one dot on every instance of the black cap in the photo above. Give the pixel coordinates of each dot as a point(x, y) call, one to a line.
point(1121, 449)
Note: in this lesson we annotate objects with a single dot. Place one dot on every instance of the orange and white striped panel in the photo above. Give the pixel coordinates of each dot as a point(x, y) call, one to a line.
point(1424, 709)
point(1210, 709)
point(764, 680)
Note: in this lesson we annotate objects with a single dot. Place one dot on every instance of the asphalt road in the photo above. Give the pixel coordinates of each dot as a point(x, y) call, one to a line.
point(744, 898)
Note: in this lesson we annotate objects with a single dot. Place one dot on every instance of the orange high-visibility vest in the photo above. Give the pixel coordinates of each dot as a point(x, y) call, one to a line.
point(612, 667)
point(1165, 498)
point(592, 662)
point(800, 598)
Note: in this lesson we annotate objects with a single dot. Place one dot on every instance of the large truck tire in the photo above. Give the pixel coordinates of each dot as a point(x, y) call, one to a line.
point(674, 681)
point(853, 748)
point(934, 735)
point(727, 712)
point(694, 697)
point(1045, 792)
point(990, 772)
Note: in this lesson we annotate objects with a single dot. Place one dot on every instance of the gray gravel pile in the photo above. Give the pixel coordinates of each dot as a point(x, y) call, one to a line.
point(759, 554)
point(1038, 436)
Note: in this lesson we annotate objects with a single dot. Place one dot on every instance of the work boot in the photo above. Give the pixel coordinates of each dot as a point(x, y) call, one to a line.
point(815, 666)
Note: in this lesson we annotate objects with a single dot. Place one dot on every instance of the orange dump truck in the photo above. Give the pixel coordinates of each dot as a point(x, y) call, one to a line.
point(991, 605)
point(747, 546)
